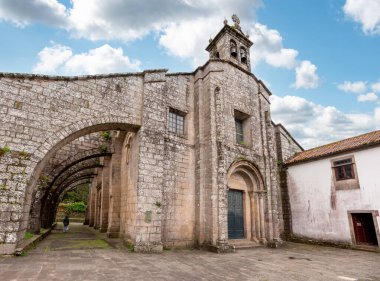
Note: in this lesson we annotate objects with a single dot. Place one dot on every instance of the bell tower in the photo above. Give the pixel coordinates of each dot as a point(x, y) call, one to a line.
point(231, 44)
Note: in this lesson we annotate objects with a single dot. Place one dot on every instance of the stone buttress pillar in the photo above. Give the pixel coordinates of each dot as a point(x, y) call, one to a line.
point(115, 187)
point(92, 202)
point(104, 200)
point(148, 236)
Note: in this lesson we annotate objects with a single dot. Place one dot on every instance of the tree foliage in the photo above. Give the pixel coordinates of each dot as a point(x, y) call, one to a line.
point(78, 207)
point(78, 194)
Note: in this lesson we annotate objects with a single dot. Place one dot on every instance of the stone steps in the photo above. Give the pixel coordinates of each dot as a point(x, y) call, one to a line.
point(240, 244)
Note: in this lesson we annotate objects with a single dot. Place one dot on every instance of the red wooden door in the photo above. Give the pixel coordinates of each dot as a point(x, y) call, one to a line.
point(364, 229)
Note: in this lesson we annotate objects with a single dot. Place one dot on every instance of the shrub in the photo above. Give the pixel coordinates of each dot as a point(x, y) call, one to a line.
point(106, 135)
point(79, 207)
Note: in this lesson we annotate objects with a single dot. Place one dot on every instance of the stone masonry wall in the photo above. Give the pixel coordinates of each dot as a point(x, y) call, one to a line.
point(41, 114)
point(178, 205)
point(286, 148)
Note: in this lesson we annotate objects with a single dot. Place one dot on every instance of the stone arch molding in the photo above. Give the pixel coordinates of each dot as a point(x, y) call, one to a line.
point(250, 171)
point(82, 127)
point(246, 177)
point(75, 130)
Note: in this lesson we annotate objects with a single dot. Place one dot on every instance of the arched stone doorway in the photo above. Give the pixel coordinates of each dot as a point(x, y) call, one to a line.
point(246, 210)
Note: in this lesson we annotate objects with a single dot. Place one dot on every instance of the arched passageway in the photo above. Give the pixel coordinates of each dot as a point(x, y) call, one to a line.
point(98, 167)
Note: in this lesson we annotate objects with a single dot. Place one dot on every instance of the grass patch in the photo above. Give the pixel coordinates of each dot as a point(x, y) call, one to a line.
point(83, 244)
point(130, 247)
point(28, 235)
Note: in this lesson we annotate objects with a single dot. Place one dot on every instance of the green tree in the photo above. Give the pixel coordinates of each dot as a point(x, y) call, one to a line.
point(79, 194)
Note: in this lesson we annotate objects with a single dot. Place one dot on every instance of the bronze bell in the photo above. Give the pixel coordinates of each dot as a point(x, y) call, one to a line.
point(243, 55)
point(233, 50)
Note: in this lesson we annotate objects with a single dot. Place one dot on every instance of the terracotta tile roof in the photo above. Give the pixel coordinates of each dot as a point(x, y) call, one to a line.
point(349, 144)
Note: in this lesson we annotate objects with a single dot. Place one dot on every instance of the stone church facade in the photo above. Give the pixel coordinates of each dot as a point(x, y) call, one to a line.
point(172, 159)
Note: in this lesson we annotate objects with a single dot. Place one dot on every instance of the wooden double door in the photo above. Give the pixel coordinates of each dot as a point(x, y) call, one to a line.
point(364, 229)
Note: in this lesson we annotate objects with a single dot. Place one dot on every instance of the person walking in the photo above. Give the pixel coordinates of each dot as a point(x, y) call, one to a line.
point(66, 223)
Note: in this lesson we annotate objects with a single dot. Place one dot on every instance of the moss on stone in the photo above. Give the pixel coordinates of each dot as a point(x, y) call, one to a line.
point(28, 235)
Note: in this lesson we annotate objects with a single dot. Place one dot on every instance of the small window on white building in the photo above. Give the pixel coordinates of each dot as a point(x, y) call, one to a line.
point(344, 173)
point(344, 169)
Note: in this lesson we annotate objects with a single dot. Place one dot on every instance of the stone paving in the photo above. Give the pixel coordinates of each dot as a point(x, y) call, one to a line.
point(85, 254)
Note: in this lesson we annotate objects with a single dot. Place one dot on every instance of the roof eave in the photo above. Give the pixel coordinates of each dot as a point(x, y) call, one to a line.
point(361, 147)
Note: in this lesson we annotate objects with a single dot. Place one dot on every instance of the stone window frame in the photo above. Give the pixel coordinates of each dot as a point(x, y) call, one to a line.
point(243, 137)
point(345, 183)
point(178, 129)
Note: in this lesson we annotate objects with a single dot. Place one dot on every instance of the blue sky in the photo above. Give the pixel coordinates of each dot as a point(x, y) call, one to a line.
point(319, 58)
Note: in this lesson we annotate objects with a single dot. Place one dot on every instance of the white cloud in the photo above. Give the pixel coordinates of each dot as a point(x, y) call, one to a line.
point(284, 58)
point(188, 39)
point(358, 87)
point(182, 27)
point(269, 48)
point(50, 58)
point(21, 13)
point(133, 19)
point(376, 87)
point(365, 12)
point(105, 59)
point(313, 124)
point(306, 76)
point(126, 20)
point(367, 97)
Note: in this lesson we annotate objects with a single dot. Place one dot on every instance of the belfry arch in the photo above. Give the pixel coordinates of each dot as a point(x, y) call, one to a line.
point(245, 180)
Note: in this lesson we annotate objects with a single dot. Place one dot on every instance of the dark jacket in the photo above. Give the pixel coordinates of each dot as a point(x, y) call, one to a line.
point(66, 221)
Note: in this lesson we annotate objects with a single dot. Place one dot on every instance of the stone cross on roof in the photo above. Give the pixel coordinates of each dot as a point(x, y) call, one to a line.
point(236, 20)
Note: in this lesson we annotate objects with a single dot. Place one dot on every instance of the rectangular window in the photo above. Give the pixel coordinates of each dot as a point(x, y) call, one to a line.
point(242, 128)
point(176, 122)
point(344, 169)
point(239, 131)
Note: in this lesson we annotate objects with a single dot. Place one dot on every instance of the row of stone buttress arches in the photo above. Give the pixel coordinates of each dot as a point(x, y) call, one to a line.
point(84, 167)
point(62, 138)
point(112, 195)
point(57, 174)
point(246, 177)
point(80, 167)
